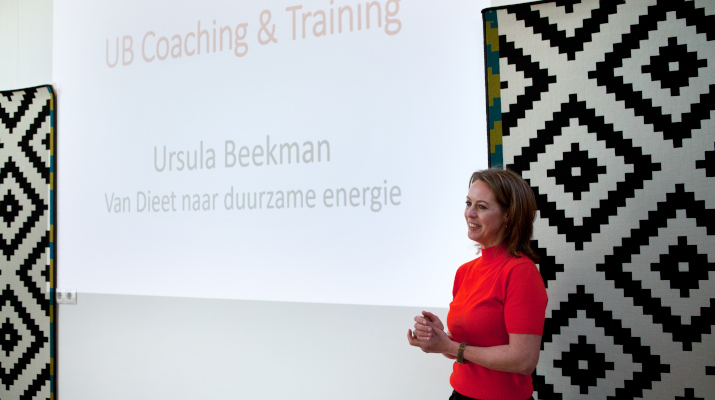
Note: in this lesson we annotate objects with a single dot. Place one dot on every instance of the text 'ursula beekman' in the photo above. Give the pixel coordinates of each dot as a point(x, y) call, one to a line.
point(170, 159)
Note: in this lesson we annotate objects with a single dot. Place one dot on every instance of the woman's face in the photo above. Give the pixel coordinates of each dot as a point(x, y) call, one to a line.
point(485, 219)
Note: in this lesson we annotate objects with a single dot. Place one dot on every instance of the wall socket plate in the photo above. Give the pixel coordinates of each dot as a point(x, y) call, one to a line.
point(66, 296)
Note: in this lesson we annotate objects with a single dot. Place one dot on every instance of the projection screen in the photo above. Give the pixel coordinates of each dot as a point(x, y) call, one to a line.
point(312, 151)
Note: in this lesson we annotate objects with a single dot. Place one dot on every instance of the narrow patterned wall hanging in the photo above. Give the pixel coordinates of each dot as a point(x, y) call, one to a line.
point(27, 232)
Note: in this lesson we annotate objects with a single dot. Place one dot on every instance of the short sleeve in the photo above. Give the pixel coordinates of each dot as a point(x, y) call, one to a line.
point(459, 277)
point(525, 300)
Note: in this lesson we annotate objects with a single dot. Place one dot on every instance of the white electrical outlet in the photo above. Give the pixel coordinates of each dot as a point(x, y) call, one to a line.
point(66, 296)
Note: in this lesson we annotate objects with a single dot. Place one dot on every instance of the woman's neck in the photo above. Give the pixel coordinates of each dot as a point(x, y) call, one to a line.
point(498, 251)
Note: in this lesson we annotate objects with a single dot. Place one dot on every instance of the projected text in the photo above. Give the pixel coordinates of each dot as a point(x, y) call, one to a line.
point(374, 198)
point(234, 37)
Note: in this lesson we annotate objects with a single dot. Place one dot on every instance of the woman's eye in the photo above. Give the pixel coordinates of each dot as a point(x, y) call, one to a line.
point(469, 203)
point(481, 207)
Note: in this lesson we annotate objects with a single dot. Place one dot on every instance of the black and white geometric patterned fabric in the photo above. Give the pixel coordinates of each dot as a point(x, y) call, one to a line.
point(26, 243)
point(607, 109)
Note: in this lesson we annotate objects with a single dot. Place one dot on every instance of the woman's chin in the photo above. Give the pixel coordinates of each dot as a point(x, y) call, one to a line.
point(475, 236)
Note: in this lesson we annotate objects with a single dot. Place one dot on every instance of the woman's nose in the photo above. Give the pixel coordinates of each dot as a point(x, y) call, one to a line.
point(472, 212)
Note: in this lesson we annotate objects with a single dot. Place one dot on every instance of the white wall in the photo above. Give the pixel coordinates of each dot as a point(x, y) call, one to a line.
point(25, 43)
point(115, 347)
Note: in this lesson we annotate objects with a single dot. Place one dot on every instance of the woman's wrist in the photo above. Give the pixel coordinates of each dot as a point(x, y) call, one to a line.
point(452, 348)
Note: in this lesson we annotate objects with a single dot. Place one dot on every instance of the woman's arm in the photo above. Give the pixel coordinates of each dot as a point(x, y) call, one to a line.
point(519, 356)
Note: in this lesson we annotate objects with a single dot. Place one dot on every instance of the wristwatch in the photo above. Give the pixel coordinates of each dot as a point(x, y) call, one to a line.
point(460, 352)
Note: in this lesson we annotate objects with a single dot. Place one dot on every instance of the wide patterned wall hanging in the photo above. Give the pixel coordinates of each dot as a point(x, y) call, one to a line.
point(606, 108)
point(27, 232)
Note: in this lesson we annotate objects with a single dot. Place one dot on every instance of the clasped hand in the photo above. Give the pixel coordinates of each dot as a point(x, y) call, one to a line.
point(429, 334)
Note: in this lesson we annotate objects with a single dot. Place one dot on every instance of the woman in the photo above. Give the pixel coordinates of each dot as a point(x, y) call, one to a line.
point(496, 317)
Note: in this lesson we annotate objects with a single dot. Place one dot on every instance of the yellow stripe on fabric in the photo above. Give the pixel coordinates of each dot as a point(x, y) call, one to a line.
point(493, 86)
point(492, 38)
point(495, 136)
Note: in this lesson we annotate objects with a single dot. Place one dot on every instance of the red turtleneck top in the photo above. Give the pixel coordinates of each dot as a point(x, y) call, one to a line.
point(494, 295)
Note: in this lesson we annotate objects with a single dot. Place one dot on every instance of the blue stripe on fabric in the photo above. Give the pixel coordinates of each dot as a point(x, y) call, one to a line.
point(493, 60)
point(495, 112)
point(491, 16)
point(497, 159)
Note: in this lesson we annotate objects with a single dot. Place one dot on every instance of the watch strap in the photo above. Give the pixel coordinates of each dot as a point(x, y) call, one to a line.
point(460, 352)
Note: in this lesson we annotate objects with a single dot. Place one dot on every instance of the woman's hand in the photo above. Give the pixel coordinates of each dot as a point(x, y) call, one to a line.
point(423, 331)
point(425, 325)
point(429, 336)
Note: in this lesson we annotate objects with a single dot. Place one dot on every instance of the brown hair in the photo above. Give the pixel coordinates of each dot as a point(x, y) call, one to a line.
point(517, 200)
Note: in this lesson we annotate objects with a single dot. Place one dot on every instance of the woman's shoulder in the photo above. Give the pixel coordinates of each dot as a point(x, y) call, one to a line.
point(519, 262)
point(522, 267)
point(467, 266)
